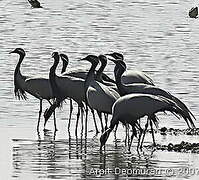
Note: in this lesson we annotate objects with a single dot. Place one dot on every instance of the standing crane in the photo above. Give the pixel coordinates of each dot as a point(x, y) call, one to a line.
point(38, 87)
point(99, 76)
point(98, 96)
point(63, 87)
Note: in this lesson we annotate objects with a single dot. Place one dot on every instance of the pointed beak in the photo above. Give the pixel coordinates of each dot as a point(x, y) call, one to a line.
point(83, 59)
point(112, 59)
point(108, 54)
point(11, 52)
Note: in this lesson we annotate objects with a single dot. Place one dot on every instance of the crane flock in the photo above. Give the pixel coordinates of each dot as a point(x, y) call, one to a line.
point(128, 98)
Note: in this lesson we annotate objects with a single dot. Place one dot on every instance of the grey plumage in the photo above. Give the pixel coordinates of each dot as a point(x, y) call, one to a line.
point(37, 87)
point(129, 108)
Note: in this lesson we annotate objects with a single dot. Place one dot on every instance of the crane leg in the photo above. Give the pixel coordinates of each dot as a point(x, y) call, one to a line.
point(106, 120)
point(151, 124)
point(55, 125)
point(70, 115)
point(132, 136)
point(100, 117)
point(40, 111)
point(127, 135)
point(86, 121)
point(93, 113)
point(82, 119)
point(140, 134)
point(116, 126)
point(53, 117)
point(78, 114)
point(144, 133)
point(139, 138)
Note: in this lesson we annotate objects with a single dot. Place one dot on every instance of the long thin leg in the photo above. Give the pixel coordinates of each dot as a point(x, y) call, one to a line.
point(106, 120)
point(100, 117)
point(86, 121)
point(140, 135)
point(55, 126)
point(132, 136)
point(78, 114)
point(40, 111)
point(127, 135)
point(116, 126)
point(82, 119)
point(151, 124)
point(144, 132)
point(70, 115)
point(95, 123)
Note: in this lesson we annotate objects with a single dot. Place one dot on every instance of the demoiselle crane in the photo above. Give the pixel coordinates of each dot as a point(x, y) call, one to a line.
point(129, 108)
point(65, 87)
point(65, 60)
point(124, 89)
point(99, 76)
point(132, 76)
point(98, 96)
point(37, 87)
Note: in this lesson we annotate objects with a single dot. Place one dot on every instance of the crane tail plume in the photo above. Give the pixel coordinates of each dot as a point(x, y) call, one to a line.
point(185, 115)
point(184, 107)
point(20, 94)
point(176, 106)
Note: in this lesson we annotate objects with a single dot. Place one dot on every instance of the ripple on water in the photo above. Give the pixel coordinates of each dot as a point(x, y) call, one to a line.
point(155, 36)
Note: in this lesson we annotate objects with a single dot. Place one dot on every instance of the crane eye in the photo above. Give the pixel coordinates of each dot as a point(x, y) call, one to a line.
point(54, 54)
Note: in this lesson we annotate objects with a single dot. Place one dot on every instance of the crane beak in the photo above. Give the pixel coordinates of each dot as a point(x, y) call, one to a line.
point(108, 54)
point(112, 59)
point(83, 59)
point(11, 52)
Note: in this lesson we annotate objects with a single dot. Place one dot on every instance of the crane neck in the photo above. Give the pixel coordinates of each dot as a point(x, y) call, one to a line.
point(54, 67)
point(52, 77)
point(89, 78)
point(19, 80)
point(91, 73)
point(17, 69)
point(65, 64)
point(118, 78)
point(100, 70)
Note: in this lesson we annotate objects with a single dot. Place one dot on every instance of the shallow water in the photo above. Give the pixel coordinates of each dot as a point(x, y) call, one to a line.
point(155, 36)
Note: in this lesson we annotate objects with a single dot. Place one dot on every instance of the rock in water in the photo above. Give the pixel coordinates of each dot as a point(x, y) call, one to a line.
point(193, 13)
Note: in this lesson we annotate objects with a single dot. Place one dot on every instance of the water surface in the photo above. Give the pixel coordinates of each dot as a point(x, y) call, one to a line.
point(155, 36)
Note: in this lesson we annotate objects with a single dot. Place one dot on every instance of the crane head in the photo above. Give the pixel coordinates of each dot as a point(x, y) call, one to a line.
point(92, 59)
point(55, 55)
point(104, 137)
point(65, 61)
point(102, 59)
point(64, 57)
point(19, 51)
point(119, 64)
point(117, 56)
